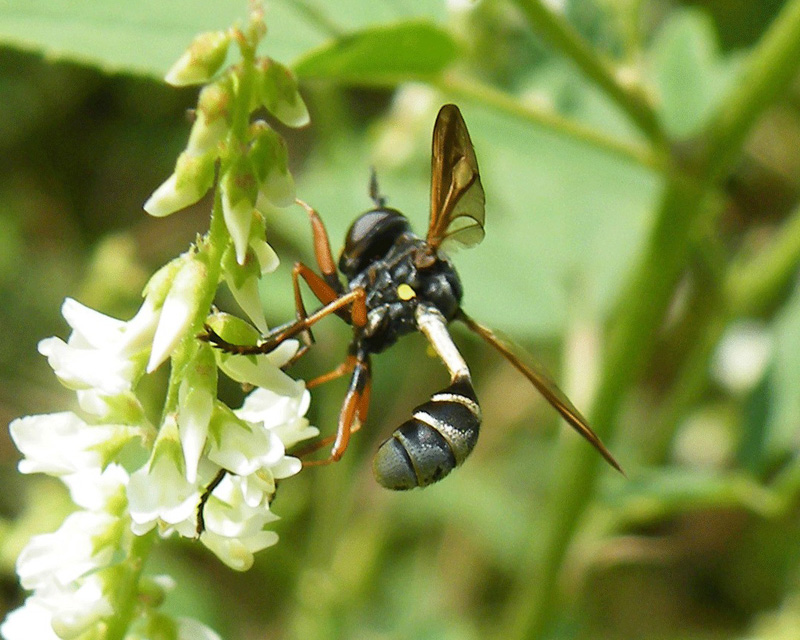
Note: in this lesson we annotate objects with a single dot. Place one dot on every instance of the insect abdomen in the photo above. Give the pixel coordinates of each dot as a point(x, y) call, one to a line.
point(438, 437)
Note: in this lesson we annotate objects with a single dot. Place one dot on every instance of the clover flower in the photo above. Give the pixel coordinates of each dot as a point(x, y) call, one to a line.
point(202, 462)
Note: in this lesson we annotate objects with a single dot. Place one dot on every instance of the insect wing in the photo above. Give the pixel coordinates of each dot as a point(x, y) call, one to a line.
point(538, 376)
point(457, 200)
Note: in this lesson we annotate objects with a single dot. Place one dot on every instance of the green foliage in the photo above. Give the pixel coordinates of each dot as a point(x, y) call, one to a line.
point(641, 182)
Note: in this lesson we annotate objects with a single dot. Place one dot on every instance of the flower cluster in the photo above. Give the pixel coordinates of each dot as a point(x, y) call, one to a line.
point(131, 475)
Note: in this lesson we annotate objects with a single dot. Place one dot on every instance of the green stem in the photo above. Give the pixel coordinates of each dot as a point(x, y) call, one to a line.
point(125, 596)
point(750, 286)
point(687, 205)
point(545, 118)
point(755, 284)
point(770, 69)
point(631, 99)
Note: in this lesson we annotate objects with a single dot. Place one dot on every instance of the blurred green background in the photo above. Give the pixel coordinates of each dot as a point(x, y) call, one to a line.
point(701, 540)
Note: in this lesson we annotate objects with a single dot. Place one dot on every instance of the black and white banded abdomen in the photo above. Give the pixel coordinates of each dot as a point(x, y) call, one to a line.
point(439, 436)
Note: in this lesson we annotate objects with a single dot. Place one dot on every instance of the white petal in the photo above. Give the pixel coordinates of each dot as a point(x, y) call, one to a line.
point(60, 443)
point(98, 490)
point(177, 312)
point(68, 553)
point(31, 620)
point(196, 406)
point(267, 258)
point(238, 218)
point(261, 373)
point(97, 329)
point(249, 299)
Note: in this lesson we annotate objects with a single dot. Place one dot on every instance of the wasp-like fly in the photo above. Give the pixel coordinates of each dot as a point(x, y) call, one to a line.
point(398, 283)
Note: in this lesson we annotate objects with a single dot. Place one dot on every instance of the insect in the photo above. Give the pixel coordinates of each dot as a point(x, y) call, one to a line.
point(398, 283)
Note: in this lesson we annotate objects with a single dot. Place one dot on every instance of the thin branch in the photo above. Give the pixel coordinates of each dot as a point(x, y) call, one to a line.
point(561, 35)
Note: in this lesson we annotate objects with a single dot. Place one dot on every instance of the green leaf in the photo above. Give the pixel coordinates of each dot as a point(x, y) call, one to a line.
point(147, 36)
point(658, 494)
point(690, 75)
point(784, 400)
point(143, 37)
point(382, 55)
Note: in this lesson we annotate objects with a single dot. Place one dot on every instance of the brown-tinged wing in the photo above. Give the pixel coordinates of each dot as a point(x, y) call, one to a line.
point(457, 200)
point(540, 379)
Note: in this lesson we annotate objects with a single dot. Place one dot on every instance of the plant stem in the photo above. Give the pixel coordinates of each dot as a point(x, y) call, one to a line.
point(770, 69)
point(750, 287)
point(125, 596)
point(631, 99)
point(756, 284)
point(687, 205)
point(505, 103)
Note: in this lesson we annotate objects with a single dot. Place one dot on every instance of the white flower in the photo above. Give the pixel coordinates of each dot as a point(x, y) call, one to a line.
point(243, 448)
point(235, 527)
point(196, 402)
point(159, 493)
point(237, 209)
point(99, 490)
point(79, 606)
point(84, 542)
point(281, 414)
point(248, 297)
point(102, 354)
point(264, 371)
point(61, 443)
point(31, 620)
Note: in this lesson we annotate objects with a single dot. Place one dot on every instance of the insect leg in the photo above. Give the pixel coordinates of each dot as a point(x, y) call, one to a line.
point(342, 370)
point(353, 410)
point(201, 505)
point(322, 249)
point(319, 287)
point(358, 316)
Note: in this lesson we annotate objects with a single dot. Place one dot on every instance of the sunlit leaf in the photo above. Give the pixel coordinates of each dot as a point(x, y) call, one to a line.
point(382, 55)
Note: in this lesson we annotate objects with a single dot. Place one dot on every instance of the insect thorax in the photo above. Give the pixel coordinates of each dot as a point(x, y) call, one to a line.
point(411, 273)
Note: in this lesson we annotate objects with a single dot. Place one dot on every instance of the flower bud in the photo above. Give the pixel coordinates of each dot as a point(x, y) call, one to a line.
point(196, 400)
point(179, 310)
point(277, 92)
point(193, 176)
point(212, 117)
point(270, 159)
point(242, 280)
point(238, 189)
point(233, 329)
point(201, 60)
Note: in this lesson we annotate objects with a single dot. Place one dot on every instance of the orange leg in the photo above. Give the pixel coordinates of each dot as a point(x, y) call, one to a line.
point(321, 289)
point(343, 369)
point(322, 250)
point(358, 316)
point(352, 415)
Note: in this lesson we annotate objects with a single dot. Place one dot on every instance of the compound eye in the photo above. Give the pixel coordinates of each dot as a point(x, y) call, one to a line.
point(369, 238)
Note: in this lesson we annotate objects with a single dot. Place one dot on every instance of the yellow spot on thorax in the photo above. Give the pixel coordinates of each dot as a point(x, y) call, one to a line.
point(405, 292)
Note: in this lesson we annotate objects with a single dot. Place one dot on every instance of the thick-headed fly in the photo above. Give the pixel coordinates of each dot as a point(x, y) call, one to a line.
point(398, 283)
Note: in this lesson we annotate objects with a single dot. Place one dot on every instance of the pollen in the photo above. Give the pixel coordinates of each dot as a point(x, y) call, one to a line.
point(405, 292)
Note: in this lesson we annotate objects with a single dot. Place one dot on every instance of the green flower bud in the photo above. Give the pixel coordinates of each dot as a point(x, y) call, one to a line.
point(277, 92)
point(201, 60)
point(192, 178)
point(238, 186)
point(270, 159)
